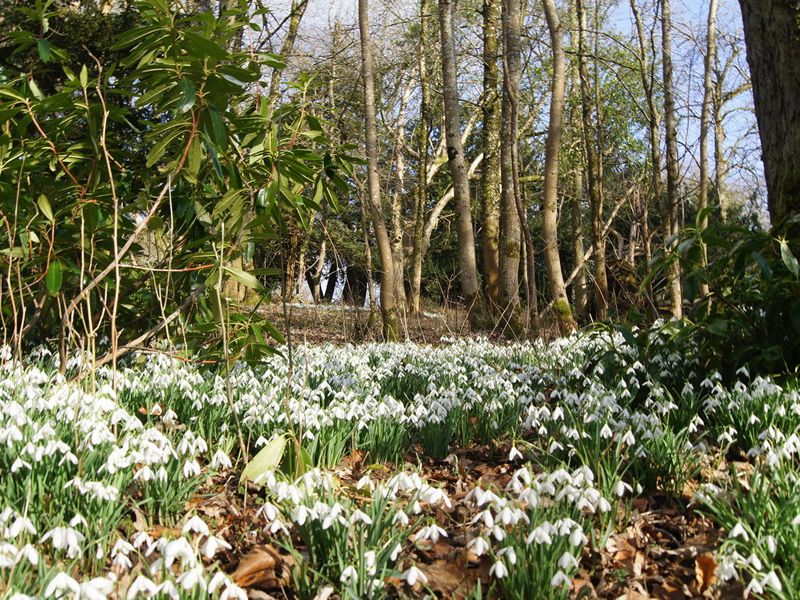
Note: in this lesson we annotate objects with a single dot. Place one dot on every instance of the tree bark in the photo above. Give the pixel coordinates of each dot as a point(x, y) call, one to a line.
point(772, 36)
point(673, 199)
point(593, 172)
point(388, 309)
point(458, 169)
point(566, 322)
point(297, 11)
point(708, 92)
point(421, 200)
point(398, 222)
point(490, 173)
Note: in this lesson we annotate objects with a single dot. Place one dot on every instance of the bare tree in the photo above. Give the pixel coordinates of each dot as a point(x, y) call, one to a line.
point(490, 173)
point(458, 168)
point(672, 227)
point(566, 322)
point(387, 300)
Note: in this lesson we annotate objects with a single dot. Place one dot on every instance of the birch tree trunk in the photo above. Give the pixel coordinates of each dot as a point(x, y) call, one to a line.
point(388, 309)
point(458, 169)
point(297, 10)
point(566, 322)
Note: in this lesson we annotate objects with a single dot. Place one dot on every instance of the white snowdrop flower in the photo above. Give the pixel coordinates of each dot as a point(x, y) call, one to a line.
point(195, 525)
point(191, 468)
point(540, 535)
point(29, 553)
point(220, 460)
point(603, 505)
point(142, 586)
point(772, 545)
point(567, 561)
point(65, 538)
point(395, 552)
point(498, 570)
point(217, 581)
point(365, 482)
point(739, 531)
point(620, 488)
point(121, 561)
point(560, 579)
point(144, 474)
point(60, 584)
point(181, 549)
point(628, 438)
point(577, 537)
point(726, 569)
point(19, 464)
point(121, 547)
point(270, 512)
point(755, 562)
point(19, 525)
point(349, 575)
point(97, 588)
point(359, 516)
point(796, 521)
point(606, 432)
point(161, 474)
point(509, 552)
point(233, 592)
point(771, 580)
point(754, 587)
point(402, 518)
point(478, 545)
point(211, 546)
point(168, 589)
point(554, 446)
point(192, 578)
point(412, 575)
point(141, 540)
point(432, 532)
point(514, 454)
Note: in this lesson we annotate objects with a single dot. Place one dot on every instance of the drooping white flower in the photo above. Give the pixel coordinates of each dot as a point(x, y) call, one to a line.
point(195, 525)
point(211, 546)
point(498, 569)
point(60, 584)
point(412, 575)
point(142, 586)
point(349, 575)
point(560, 579)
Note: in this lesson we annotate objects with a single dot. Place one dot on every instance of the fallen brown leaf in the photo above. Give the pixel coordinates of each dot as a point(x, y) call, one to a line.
point(705, 569)
point(262, 565)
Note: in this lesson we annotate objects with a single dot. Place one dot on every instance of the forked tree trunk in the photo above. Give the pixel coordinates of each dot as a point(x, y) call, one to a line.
point(566, 322)
point(458, 169)
point(388, 309)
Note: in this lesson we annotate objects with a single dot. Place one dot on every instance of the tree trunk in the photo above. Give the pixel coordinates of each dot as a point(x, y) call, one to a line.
point(566, 322)
point(490, 173)
point(510, 234)
point(398, 222)
point(388, 309)
point(708, 91)
point(580, 289)
point(458, 169)
point(673, 199)
point(593, 172)
point(772, 35)
point(297, 11)
point(421, 200)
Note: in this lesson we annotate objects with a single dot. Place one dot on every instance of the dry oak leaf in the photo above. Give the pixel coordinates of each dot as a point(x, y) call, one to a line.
point(705, 571)
point(262, 565)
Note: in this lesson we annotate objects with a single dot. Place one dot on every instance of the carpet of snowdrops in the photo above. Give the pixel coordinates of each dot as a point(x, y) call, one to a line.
point(101, 475)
